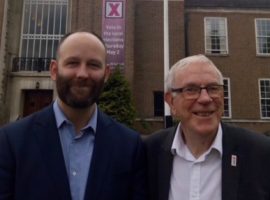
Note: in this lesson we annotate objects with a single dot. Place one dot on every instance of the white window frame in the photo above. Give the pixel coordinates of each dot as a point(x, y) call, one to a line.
point(260, 99)
point(258, 37)
point(228, 98)
point(223, 50)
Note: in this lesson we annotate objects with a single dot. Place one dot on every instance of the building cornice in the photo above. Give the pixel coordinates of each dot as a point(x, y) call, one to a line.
point(227, 10)
point(30, 74)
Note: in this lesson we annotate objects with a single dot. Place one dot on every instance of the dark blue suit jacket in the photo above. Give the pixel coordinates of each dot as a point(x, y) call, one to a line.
point(32, 165)
point(249, 179)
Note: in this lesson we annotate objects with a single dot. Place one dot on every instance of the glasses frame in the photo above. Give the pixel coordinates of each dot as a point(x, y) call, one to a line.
point(195, 94)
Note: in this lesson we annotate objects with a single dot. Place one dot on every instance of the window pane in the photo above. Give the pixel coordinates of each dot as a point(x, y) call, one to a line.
point(36, 52)
point(30, 48)
point(33, 19)
point(63, 20)
point(54, 48)
point(51, 19)
point(26, 18)
point(49, 50)
point(45, 19)
point(24, 48)
point(158, 103)
point(227, 106)
point(265, 98)
point(43, 49)
point(57, 19)
point(38, 19)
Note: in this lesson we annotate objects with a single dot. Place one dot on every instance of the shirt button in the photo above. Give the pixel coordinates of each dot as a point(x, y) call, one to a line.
point(74, 173)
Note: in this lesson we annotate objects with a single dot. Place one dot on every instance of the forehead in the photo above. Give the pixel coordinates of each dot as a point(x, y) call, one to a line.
point(82, 42)
point(200, 73)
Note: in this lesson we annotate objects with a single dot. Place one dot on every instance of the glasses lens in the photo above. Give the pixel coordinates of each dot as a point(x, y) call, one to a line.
point(191, 92)
point(214, 90)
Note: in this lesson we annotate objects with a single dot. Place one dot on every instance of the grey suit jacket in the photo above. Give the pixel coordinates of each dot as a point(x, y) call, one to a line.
point(248, 180)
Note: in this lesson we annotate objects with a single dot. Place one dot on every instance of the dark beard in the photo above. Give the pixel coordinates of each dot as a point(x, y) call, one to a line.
point(63, 86)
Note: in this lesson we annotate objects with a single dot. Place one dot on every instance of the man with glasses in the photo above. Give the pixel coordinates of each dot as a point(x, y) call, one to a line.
point(202, 158)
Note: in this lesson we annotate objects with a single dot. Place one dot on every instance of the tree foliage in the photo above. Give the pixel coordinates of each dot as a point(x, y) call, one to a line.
point(116, 99)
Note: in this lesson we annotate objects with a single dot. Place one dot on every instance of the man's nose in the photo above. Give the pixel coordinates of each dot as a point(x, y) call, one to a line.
point(204, 96)
point(82, 71)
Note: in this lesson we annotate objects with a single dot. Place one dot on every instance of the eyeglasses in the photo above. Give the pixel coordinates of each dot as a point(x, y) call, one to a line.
point(193, 92)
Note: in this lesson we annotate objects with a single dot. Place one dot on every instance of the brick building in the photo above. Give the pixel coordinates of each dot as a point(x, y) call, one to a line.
point(234, 34)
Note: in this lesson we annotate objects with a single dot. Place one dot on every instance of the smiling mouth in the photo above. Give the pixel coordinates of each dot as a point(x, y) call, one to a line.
point(80, 89)
point(203, 114)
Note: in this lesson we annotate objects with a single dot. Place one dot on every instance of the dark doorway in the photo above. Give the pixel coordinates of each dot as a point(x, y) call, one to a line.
point(35, 100)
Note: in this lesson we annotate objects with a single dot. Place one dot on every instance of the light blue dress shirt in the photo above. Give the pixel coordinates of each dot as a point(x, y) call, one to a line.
point(77, 150)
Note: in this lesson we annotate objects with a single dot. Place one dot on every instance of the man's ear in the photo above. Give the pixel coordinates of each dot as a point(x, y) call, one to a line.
point(169, 100)
point(53, 69)
point(107, 73)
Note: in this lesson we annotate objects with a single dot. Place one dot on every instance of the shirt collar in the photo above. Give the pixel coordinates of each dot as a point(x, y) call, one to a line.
point(180, 148)
point(61, 117)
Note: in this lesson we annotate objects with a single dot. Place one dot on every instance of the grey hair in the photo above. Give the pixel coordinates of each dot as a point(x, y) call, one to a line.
point(185, 62)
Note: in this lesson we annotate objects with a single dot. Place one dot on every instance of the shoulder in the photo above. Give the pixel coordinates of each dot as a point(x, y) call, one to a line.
point(111, 125)
point(24, 125)
point(159, 137)
point(123, 140)
point(245, 137)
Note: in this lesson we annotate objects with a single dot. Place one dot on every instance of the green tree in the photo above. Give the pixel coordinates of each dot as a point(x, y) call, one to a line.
point(116, 99)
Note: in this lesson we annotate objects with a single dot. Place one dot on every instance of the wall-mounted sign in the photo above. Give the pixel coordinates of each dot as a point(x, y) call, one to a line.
point(113, 31)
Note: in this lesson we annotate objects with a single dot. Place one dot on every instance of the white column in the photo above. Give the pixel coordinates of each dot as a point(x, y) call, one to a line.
point(167, 117)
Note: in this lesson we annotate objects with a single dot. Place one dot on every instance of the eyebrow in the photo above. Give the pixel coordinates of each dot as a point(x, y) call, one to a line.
point(195, 84)
point(71, 58)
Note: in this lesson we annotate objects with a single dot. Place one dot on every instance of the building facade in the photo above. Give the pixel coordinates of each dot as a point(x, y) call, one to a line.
point(235, 35)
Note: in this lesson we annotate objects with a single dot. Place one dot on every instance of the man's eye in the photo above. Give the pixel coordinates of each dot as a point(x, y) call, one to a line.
point(72, 63)
point(95, 65)
point(213, 88)
point(191, 89)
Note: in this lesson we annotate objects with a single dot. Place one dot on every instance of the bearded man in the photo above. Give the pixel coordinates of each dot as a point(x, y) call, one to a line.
point(71, 150)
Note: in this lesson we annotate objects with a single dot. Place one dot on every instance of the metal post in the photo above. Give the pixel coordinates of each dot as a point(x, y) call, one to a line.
point(167, 114)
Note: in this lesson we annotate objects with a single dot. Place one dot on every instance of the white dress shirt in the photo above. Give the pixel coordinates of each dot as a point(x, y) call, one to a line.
point(196, 178)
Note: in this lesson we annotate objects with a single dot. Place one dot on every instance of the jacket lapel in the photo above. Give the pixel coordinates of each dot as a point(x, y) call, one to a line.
point(48, 140)
point(231, 163)
point(100, 159)
point(165, 166)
